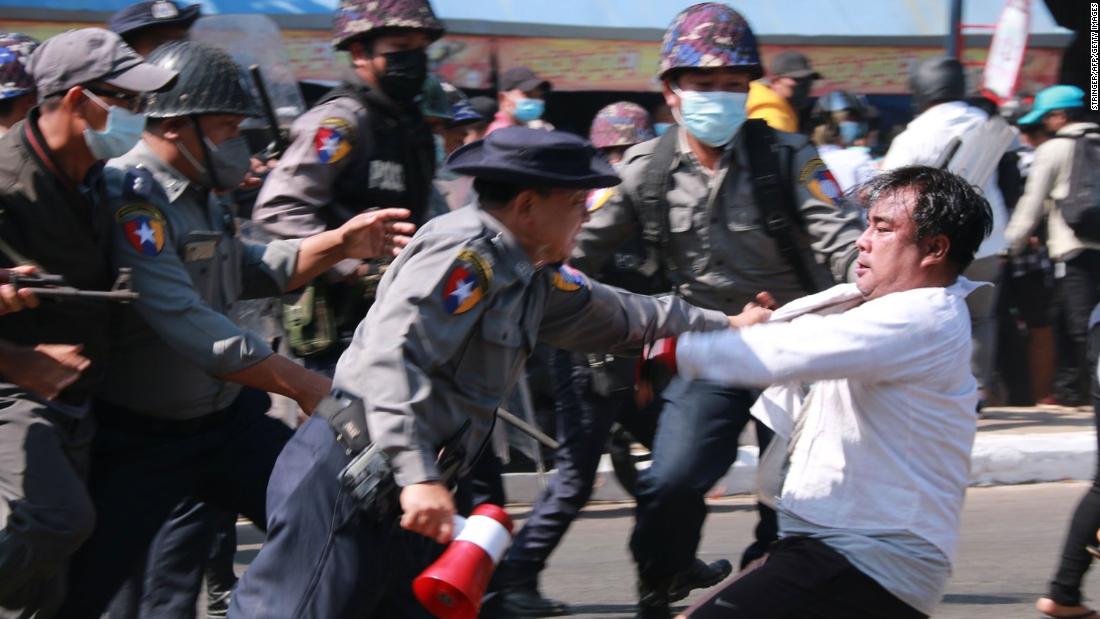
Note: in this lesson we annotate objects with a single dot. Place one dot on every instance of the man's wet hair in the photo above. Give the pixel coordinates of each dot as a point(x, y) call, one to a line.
point(945, 204)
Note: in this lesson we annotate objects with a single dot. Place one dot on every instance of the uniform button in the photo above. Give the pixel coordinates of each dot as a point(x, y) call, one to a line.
point(713, 220)
point(203, 270)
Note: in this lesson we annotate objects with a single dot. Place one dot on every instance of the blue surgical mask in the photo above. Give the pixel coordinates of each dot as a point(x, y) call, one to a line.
point(661, 128)
point(712, 117)
point(123, 131)
point(529, 109)
point(851, 130)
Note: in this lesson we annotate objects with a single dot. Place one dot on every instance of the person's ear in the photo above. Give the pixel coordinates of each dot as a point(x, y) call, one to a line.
point(936, 248)
point(172, 129)
point(73, 101)
point(672, 100)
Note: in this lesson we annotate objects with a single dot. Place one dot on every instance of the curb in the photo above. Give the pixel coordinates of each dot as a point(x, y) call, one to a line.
point(995, 460)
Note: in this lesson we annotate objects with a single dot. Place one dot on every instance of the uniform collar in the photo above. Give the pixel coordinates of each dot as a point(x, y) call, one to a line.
point(174, 183)
point(734, 149)
point(514, 263)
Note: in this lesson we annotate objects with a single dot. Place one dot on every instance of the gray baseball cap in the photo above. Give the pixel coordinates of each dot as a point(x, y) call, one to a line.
point(93, 55)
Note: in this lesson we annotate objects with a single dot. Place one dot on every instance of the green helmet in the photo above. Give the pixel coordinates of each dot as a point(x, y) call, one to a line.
point(433, 99)
point(209, 83)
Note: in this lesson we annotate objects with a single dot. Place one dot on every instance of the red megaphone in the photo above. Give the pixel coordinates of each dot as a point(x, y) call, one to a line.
point(452, 587)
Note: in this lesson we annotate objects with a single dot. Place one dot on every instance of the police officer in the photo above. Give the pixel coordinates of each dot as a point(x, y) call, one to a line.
point(456, 316)
point(174, 421)
point(54, 215)
point(842, 123)
point(591, 392)
point(365, 146)
point(149, 24)
point(706, 200)
point(16, 85)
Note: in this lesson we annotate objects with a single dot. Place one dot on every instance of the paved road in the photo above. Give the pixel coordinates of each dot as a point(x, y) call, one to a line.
point(1011, 536)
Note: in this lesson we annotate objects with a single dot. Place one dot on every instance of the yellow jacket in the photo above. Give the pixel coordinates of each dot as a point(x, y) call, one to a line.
point(764, 103)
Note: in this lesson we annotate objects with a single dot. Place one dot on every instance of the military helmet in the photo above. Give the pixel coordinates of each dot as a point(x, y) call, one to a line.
point(209, 82)
point(621, 124)
point(937, 79)
point(355, 18)
point(710, 35)
point(433, 99)
point(15, 49)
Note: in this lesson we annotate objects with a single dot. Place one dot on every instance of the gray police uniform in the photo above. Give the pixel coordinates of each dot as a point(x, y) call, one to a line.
point(719, 256)
point(719, 252)
point(457, 315)
point(354, 151)
point(169, 429)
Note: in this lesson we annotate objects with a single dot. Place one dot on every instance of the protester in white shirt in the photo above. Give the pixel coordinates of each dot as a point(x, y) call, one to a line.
point(879, 452)
point(938, 86)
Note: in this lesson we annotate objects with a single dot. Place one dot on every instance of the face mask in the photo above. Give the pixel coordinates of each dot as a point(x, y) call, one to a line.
point(231, 161)
point(851, 130)
point(800, 98)
point(529, 109)
point(661, 128)
point(712, 117)
point(405, 73)
point(123, 131)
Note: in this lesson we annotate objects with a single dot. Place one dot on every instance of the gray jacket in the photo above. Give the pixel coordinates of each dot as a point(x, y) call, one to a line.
point(457, 315)
point(190, 269)
point(722, 254)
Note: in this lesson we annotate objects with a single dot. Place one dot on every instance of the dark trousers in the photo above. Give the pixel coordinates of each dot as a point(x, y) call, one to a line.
point(803, 578)
point(1065, 589)
point(1078, 293)
point(584, 420)
point(484, 484)
point(197, 540)
point(323, 558)
point(45, 510)
point(696, 444)
point(143, 468)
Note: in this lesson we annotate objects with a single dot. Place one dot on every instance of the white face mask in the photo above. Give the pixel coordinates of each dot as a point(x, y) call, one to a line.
point(123, 131)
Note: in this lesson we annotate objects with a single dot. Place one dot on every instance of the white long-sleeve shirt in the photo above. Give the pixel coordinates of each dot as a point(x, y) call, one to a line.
point(890, 419)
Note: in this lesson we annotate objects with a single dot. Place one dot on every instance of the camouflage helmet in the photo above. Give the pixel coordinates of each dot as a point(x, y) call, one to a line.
point(209, 82)
point(15, 49)
point(358, 17)
point(710, 35)
point(621, 124)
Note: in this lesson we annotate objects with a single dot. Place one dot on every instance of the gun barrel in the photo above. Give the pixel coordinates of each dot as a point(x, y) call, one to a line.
point(119, 296)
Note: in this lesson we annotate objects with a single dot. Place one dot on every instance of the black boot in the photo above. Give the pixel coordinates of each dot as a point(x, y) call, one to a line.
point(699, 576)
point(528, 602)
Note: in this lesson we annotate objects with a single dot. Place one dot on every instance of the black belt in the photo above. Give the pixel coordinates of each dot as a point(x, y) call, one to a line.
point(113, 416)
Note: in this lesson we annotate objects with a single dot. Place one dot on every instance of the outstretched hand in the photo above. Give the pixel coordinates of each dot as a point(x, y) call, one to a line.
point(377, 233)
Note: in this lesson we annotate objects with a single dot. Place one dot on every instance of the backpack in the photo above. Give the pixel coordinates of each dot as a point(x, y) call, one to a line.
point(1081, 207)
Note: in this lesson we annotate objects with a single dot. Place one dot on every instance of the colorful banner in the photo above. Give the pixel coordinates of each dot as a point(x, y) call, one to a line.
point(581, 64)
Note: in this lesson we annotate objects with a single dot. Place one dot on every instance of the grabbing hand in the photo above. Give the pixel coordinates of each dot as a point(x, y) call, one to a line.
point(46, 369)
point(755, 312)
point(12, 300)
point(429, 510)
point(376, 233)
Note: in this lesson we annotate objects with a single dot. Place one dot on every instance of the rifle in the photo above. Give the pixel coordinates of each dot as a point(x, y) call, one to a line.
point(51, 286)
point(280, 140)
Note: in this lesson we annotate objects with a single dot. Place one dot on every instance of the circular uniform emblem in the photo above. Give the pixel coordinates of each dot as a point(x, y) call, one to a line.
point(568, 279)
point(333, 140)
point(819, 181)
point(598, 197)
point(467, 282)
point(143, 227)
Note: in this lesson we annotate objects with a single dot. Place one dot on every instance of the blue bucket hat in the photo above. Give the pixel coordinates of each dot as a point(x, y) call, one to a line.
point(534, 158)
point(1059, 97)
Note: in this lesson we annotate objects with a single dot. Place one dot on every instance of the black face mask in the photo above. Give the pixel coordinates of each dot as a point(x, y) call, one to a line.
point(405, 74)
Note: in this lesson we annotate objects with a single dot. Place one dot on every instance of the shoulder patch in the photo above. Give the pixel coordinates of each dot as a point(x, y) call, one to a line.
point(467, 282)
point(138, 184)
point(598, 197)
point(568, 279)
point(143, 226)
point(819, 181)
point(333, 139)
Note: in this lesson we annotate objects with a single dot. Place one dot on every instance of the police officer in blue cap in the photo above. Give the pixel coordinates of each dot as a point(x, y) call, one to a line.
point(456, 317)
point(149, 24)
